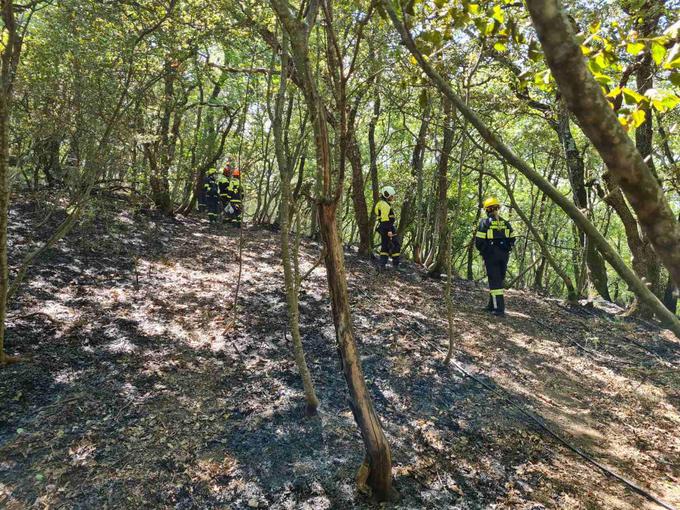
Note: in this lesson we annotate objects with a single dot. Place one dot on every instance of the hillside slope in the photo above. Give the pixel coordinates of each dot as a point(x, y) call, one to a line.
point(132, 394)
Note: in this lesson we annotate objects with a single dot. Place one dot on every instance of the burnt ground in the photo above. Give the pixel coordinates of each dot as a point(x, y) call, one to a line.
point(131, 394)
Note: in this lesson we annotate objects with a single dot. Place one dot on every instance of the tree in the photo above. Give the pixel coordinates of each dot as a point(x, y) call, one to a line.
point(597, 120)
point(508, 155)
point(376, 470)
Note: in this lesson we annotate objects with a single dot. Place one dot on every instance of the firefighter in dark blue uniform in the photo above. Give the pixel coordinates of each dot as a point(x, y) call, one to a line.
point(212, 195)
point(389, 242)
point(494, 240)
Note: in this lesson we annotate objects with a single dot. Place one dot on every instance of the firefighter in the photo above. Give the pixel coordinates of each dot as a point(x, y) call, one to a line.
point(235, 198)
point(223, 185)
point(212, 195)
point(389, 242)
point(494, 240)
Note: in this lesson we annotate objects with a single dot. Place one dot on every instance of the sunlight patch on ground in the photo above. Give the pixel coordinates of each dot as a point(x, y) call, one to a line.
point(67, 376)
point(121, 345)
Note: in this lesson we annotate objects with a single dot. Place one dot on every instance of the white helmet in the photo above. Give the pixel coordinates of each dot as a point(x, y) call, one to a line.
point(387, 191)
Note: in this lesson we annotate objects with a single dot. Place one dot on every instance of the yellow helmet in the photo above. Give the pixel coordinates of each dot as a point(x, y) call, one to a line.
point(490, 202)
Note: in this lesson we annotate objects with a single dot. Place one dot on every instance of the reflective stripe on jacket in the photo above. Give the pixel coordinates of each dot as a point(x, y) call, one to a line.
point(498, 233)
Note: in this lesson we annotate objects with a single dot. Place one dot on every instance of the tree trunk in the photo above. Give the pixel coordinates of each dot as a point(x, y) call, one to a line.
point(358, 197)
point(376, 470)
point(597, 271)
point(373, 154)
point(11, 51)
point(441, 216)
point(4, 207)
point(598, 121)
point(286, 171)
point(471, 246)
point(572, 295)
point(609, 253)
point(644, 260)
point(412, 210)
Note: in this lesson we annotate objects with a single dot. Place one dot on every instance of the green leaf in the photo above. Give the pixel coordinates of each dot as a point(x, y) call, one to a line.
point(490, 27)
point(500, 47)
point(673, 57)
point(498, 14)
point(662, 99)
point(658, 52)
point(433, 37)
point(632, 97)
point(535, 53)
point(602, 79)
point(675, 78)
point(638, 117)
point(473, 9)
point(634, 48)
point(615, 92)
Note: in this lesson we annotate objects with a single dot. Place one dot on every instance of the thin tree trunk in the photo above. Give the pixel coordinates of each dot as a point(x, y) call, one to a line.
point(376, 470)
point(4, 205)
point(441, 217)
point(358, 197)
point(596, 267)
point(284, 162)
point(572, 295)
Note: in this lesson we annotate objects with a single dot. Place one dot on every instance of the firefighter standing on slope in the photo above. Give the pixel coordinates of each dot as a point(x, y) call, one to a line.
point(235, 198)
point(223, 183)
point(494, 240)
point(389, 242)
point(212, 195)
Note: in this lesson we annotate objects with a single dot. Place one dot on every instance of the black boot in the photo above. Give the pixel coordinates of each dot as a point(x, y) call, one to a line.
point(499, 311)
point(489, 306)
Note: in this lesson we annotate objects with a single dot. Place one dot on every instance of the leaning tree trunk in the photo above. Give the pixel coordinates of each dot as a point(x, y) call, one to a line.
point(599, 123)
point(607, 251)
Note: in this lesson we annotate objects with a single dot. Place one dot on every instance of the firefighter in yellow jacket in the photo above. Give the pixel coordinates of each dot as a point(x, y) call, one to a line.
point(494, 240)
point(389, 242)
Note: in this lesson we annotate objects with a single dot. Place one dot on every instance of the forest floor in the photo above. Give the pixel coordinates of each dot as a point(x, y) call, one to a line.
point(132, 395)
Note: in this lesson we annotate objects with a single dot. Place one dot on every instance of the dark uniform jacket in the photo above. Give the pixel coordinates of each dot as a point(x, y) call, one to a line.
point(211, 187)
point(494, 238)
